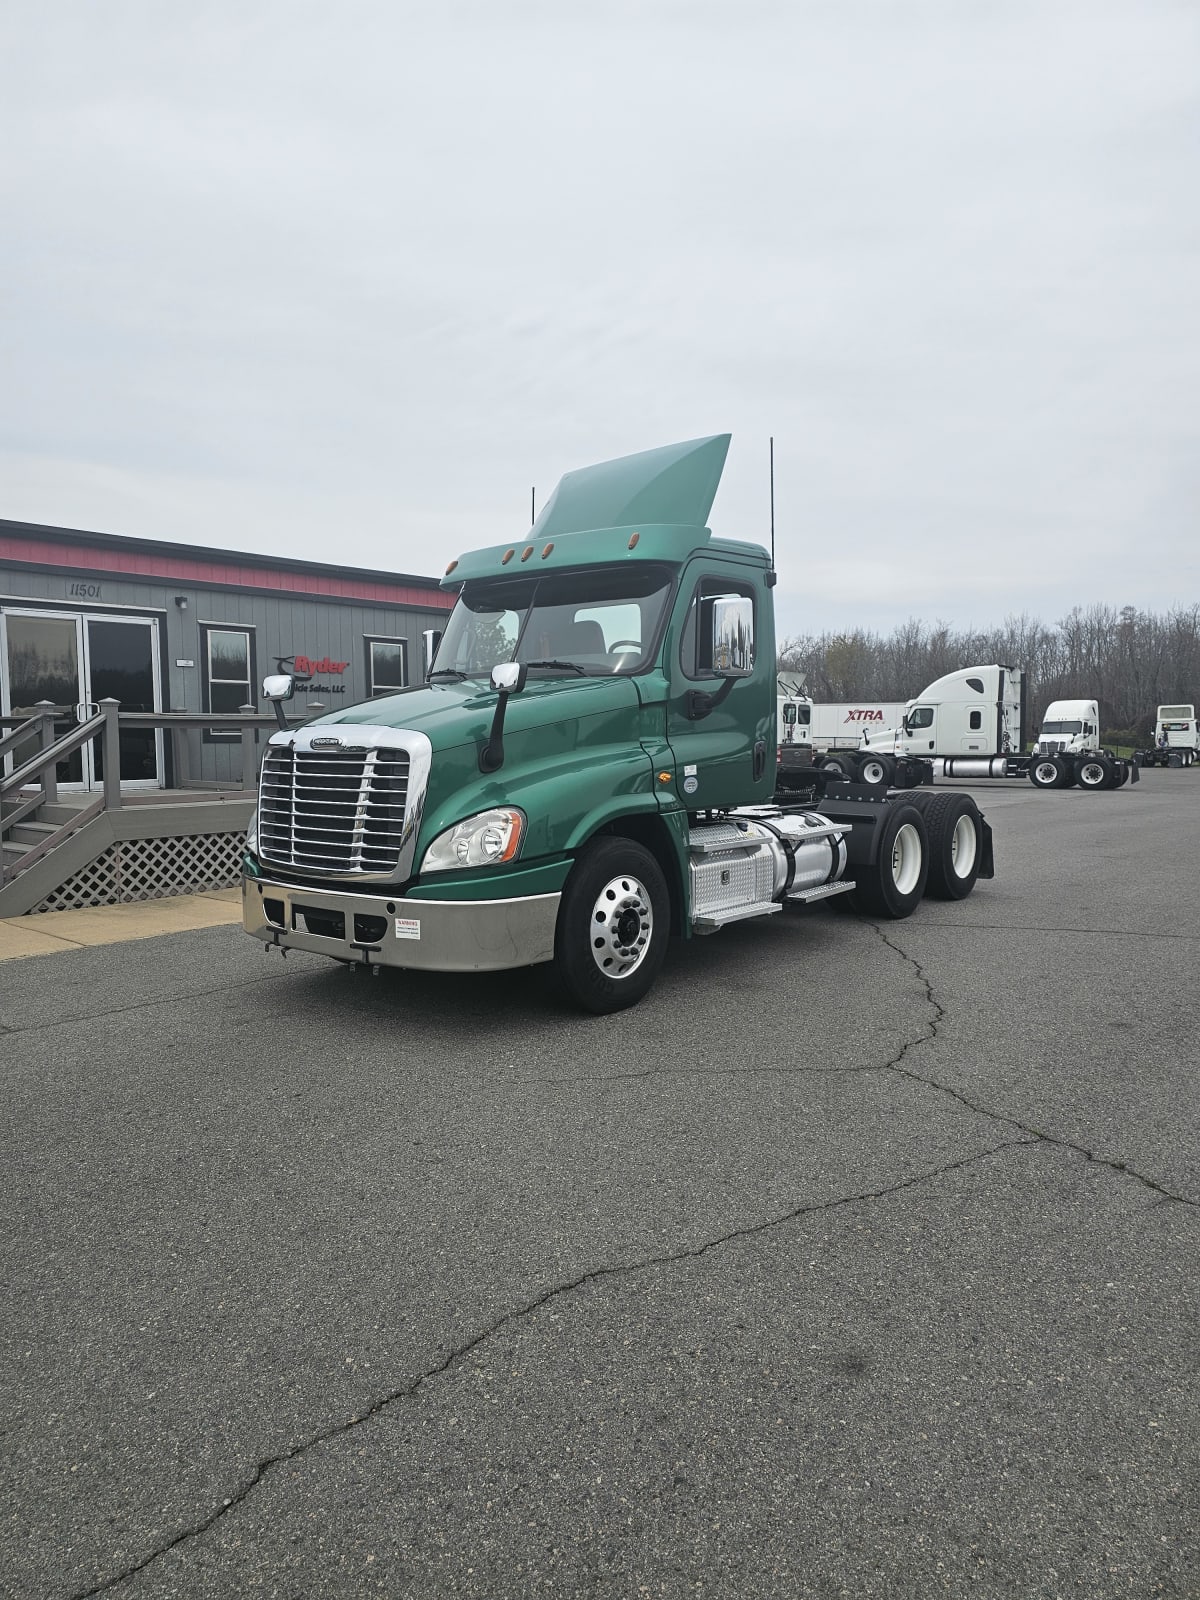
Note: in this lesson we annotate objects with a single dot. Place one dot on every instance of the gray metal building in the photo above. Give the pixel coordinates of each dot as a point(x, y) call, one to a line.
point(162, 627)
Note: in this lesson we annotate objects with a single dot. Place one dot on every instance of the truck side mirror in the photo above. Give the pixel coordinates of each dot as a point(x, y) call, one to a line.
point(508, 677)
point(277, 688)
point(733, 636)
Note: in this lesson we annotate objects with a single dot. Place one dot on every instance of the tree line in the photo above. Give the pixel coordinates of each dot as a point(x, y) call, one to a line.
point(1131, 661)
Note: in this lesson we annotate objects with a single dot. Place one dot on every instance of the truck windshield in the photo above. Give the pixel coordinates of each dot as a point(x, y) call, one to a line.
point(597, 622)
point(1062, 727)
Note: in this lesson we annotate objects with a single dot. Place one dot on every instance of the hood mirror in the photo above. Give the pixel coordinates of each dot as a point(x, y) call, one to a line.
point(508, 677)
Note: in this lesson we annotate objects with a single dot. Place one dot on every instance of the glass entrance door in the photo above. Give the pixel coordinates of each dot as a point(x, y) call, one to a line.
point(75, 662)
point(121, 663)
point(42, 656)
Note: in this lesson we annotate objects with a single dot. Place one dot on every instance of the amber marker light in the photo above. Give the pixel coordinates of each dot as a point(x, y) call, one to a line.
point(507, 557)
point(633, 539)
point(547, 551)
point(664, 777)
point(450, 568)
point(527, 552)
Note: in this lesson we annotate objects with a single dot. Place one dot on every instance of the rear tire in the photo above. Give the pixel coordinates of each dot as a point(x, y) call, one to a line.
point(1048, 772)
point(1095, 772)
point(839, 768)
point(892, 886)
point(613, 925)
point(954, 825)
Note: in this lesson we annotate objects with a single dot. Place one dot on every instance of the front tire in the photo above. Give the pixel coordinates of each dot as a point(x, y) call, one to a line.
point(892, 886)
point(613, 925)
point(876, 771)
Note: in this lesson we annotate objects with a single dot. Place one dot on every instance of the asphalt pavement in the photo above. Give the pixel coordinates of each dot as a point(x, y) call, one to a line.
point(859, 1260)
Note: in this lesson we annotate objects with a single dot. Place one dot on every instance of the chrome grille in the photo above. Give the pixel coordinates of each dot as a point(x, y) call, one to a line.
point(333, 810)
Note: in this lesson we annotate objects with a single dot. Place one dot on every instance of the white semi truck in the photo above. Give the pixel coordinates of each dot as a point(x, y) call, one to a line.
point(971, 724)
point(1176, 738)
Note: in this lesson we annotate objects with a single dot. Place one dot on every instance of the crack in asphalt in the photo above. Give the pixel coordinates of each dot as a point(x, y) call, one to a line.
point(931, 1032)
point(517, 1314)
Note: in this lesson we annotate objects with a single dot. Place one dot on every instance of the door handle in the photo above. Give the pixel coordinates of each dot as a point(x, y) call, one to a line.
point(760, 758)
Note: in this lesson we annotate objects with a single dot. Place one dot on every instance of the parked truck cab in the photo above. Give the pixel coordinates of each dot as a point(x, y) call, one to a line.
point(590, 764)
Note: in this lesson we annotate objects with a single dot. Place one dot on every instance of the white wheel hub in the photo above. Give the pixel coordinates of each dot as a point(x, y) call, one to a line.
point(906, 858)
point(963, 847)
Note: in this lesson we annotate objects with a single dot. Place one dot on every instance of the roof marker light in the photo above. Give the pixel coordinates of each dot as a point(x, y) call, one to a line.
point(507, 557)
point(451, 567)
point(633, 539)
point(527, 552)
point(547, 551)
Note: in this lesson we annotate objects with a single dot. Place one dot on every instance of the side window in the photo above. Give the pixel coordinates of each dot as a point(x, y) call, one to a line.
point(696, 640)
point(921, 717)
point(227, 674)
point(789, 713)
point(387, 666)
point(976, 720)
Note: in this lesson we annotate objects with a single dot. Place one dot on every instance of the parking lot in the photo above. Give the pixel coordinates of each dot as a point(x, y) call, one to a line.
point(859, 1260)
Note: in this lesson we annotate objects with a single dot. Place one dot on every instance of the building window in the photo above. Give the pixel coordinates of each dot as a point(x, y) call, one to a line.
point(228, 662)
point(387, 666)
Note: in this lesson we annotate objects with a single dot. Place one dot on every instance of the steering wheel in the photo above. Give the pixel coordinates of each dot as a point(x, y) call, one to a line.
point(634, 644)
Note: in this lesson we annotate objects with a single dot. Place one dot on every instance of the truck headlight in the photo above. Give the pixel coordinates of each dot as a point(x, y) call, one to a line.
point(252, 833)
point(486, 839)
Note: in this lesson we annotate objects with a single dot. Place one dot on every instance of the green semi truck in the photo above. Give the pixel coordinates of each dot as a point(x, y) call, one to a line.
point(589, 767)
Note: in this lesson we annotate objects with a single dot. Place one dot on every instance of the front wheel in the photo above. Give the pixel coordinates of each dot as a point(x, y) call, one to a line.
point(613, 925)
point(892, 886)
point(876, 771)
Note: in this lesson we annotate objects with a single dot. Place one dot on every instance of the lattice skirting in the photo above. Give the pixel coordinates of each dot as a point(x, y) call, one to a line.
point(151, 869)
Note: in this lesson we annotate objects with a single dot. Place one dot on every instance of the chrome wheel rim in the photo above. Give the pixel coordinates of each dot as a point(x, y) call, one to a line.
point(622, 925)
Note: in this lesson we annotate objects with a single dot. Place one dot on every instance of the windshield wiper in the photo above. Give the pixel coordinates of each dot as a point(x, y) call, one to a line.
point(563, 666)
point(446, 672)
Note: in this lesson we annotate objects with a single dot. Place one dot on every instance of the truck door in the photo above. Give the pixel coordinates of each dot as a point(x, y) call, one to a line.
point(919, 726)
point(721, 729)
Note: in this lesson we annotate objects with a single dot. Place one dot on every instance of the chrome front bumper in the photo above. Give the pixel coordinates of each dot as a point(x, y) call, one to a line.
point(424, 935)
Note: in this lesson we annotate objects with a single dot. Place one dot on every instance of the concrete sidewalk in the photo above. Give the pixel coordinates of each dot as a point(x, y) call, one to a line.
point(54, 931)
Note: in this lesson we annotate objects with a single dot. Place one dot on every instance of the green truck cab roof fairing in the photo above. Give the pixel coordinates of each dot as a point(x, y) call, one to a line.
point(652, 506)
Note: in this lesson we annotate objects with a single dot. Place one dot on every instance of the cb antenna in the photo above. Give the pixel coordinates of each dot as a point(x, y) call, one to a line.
point(533, 506)
point(772, 506)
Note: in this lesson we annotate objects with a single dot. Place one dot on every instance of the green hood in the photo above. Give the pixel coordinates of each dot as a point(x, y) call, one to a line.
point(452, 714)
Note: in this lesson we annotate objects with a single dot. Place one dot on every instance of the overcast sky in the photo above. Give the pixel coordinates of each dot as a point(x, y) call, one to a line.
point(347, 281)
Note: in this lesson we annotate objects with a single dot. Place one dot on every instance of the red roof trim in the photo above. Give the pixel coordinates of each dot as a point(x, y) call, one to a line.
point(188, 569)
